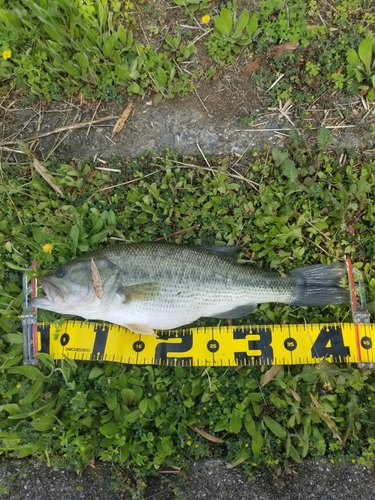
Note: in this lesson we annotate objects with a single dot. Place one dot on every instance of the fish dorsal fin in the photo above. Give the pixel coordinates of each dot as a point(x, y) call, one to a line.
point(229, 252)
point(143, 329)
point(141, 291)
point(237, 312)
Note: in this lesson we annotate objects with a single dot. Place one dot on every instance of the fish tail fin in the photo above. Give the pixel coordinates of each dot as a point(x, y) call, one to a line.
point(319, 285)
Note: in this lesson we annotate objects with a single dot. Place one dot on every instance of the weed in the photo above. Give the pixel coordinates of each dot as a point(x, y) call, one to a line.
point(192, 6)
point(361, 66)
point(231, 33)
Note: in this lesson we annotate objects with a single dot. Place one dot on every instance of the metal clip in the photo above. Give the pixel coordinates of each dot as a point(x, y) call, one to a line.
point(360, 313)
point(29, 320)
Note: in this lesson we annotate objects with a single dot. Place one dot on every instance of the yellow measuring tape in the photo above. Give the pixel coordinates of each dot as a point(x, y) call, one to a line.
point(210, 346)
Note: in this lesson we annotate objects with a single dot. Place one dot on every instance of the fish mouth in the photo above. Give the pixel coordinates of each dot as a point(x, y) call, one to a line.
point(52, 290)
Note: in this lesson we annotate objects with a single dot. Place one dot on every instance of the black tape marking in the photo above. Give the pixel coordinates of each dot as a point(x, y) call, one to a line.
point(213, 345)
point(64, 339)
point(100, 341)
point(290, 344)
point(263, 344)
point(44, 330)
point(138, 346)
point(366, 342)
point(164, 348)
point(330, 335)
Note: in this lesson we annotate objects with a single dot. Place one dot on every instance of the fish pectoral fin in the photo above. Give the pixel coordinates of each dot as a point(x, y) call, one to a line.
point(143, 329)
point(237, 312)
point(141, 291)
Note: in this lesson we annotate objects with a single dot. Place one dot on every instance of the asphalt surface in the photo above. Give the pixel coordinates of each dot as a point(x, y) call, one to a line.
point(207, 479)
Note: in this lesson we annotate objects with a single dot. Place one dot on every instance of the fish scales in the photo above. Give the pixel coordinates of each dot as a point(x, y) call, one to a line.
point(153, 286)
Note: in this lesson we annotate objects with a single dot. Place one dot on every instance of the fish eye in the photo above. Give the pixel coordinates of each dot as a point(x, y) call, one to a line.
point(60, 272)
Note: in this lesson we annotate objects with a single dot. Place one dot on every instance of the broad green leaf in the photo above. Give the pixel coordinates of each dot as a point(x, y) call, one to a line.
point(24, 451)
point(11, 408)
point(122, 71)
point(109, 45)
point(252, 25)
point(112, 401)
point(274, 426)
point(235, 422)
point(241, 22)
point(133, 416)
point(249, 423)
point(240, 458)
point(365, 53)
point(128, 396)
point(13, 338)
point(71, 69)
point(95, 372)
point(83, 60)
point(46, 360)
point(16, 268)
point(352, 58)
point(143, 406)
point(224, 22)
point(125, 452)
point(121, 33)
point(162, 75)
point(257, 442)
point(10, 19)
point(30, 372)
point(109, 430)
point(33, 394)
point(135, 88)
point(293, 453)
point(360, 75)
point(43, 423)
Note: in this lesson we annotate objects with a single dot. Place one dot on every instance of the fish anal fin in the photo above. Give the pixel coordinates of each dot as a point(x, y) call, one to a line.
point(237, 312)
point(141, 291)
point(143, 329)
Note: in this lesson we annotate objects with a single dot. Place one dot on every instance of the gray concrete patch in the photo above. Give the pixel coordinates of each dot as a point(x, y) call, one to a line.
point(204, 480)
point(213, 123)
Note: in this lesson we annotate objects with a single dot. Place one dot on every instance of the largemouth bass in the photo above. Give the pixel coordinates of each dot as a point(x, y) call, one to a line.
point(161, 286)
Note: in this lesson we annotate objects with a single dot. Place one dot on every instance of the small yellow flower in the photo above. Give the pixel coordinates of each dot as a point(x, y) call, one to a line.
point(206, 19)
point(47, 248)
point(7, 54)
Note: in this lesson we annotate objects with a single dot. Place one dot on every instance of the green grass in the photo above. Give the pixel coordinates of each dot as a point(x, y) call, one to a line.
point(293, 207)
point(109, 49)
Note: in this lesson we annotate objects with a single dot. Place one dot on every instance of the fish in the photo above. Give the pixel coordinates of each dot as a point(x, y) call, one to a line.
point(151, 286)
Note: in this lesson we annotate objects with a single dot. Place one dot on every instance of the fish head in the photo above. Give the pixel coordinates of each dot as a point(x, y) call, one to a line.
point(81, 287)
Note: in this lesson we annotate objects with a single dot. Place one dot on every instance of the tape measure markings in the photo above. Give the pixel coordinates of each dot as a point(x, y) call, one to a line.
point(248, 345)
